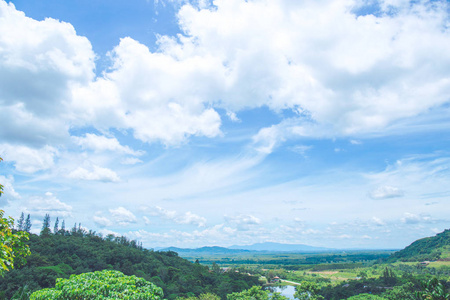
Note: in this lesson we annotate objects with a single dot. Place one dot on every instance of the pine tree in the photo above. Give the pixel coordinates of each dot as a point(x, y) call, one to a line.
point(63, 226)
point(46, 225)
point(20, 223)
point(55, 229)
point(28, 224)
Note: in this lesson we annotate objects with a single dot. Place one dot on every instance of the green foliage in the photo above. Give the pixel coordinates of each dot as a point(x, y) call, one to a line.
point(307, 290)
point(256, 293)
point(405, 291)
point(13, 249)
point(61, 255)
point(205, 296)
point(429, 248)
point(102, 285)
point(368, 297)
point(433, 290)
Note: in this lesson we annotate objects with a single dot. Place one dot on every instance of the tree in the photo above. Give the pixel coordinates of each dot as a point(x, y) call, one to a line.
point(307, 290)
point(55, 229)
point(12, 245)
point(13, 249)
point(255, 293)
point(105, 285)
point(433, 290)
point(46, 225)
point(63, 226)
point(28, 224)
point(367, 297)
point(20, 224)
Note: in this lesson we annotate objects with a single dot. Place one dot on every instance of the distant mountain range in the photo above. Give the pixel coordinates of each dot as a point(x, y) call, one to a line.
point(277, 247)
point(266, 247)
point(208, 250)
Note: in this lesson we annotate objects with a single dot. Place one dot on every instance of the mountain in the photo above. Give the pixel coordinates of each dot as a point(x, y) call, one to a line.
point(206, 250)
point(277, 247)
point(429, 248)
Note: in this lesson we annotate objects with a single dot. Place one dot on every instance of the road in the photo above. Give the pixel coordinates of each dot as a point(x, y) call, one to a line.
point(291, 282)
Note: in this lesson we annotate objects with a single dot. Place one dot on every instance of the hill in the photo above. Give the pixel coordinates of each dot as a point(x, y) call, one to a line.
point(429, 248)
point(277, 247)
point(60, 255)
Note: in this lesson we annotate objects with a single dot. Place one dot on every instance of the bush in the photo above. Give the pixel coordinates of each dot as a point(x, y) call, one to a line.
point(105, 285)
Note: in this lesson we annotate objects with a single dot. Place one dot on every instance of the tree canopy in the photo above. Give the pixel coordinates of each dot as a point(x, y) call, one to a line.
point(102, 285)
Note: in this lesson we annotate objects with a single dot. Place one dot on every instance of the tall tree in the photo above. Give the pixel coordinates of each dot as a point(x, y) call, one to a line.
point(27, 226)
point(20, 224)
point(55, 229)
point(46, 225)
point(63, 226)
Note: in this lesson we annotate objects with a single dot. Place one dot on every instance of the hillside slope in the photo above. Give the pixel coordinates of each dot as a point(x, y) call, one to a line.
point(60, 255)
point(429, 248)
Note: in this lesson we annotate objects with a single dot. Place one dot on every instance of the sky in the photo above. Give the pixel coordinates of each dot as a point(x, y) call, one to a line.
point(228, 122)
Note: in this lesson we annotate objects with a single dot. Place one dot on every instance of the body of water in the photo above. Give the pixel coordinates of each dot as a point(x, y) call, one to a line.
point(286, 290)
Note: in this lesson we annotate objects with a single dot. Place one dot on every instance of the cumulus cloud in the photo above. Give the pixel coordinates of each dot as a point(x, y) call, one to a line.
point(385, 192)
point(40, 64)
point(102, 143)
point(410, 218)
point(123, 216)
point(152, 94)
point(187, 218)
point(95, 174)
point(102, 221)
point(29, 160)
point(242, 222)
point(9, 193)
point(48, 204)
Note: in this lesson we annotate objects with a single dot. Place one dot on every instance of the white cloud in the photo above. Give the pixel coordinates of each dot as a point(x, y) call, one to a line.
point(152, 94)
point(186, 218)
point(40, 63)
point(233, 117)
point(102, 221)
point(29, 160)
point(378, 221)
point(96, 174)
point(386, 192)
point(243, 221)
point(301, 149)
point(123, 216)
point(9, 193)
point(103, 143)
point(190, 218)
point(131, 161)
point(49, 204)
point(410, 218)
point(146, 220)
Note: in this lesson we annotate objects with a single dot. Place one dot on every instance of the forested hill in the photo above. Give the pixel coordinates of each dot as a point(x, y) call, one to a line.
point(430, 248)
point(60, 255)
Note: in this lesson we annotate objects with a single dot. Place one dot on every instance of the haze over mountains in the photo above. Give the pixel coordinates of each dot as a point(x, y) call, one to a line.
point(268, 246)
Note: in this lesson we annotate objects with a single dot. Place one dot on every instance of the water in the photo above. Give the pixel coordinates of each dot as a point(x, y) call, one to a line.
point(286, 290)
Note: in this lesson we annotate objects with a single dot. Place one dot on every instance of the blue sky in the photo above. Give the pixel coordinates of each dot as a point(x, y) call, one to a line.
point(194, 123)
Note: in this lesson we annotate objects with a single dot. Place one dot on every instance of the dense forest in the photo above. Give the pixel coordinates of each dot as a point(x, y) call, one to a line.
point(77, 251)
point(429, 248)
